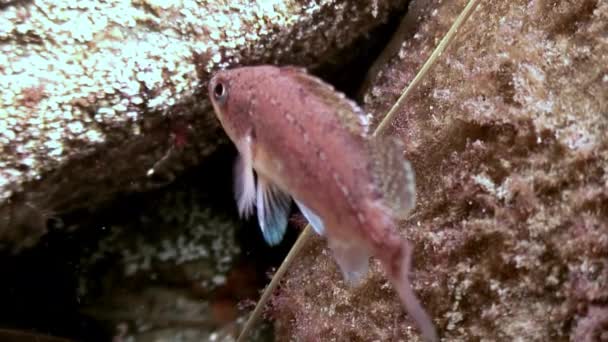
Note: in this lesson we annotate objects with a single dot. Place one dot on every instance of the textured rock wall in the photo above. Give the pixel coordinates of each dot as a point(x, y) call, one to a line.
point(171, 268)
point(104, 98)
point(508, 139)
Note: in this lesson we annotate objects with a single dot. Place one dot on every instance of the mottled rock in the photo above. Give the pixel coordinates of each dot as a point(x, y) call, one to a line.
point(508, 138)
point(106, 98)
point(169, 265)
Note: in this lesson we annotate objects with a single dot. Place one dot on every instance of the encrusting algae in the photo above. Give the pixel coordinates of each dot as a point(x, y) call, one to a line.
point(299, 138)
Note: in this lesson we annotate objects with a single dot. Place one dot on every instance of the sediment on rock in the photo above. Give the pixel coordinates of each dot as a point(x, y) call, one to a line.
point(508, 139)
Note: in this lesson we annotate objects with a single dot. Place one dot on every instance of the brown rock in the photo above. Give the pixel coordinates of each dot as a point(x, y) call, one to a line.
point(508, 138)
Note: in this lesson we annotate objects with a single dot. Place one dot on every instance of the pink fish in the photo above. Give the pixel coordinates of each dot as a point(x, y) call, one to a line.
point(299, 138)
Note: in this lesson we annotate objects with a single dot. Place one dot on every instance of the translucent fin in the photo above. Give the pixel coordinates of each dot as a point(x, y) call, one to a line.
point(392, 175)
point(352, 259)
point(273, 211)
point(244, 181)
point(400, 279)
point(314, 220)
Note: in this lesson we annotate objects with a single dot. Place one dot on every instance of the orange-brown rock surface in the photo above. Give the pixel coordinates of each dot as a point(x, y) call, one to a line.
point(508, 138)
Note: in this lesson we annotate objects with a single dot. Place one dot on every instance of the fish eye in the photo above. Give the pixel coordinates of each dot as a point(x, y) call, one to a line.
point(220, 92)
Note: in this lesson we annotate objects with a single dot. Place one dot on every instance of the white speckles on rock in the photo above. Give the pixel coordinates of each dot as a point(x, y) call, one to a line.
point(77, 77)
point(94, 136)
point(76, 127)
point(181, 232)
point(6, 133)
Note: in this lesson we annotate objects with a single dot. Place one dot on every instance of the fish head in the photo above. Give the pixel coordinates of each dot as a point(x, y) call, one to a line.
point(233, 95)
point(230, 103)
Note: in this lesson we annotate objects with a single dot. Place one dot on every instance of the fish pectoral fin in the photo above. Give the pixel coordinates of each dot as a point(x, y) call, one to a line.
point(314, 219)
point(392, 175)
point(244, 179)
point(353, 261)
point(273, 210)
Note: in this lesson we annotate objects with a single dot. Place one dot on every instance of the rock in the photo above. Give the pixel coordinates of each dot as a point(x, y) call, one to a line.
point(174, 263)
point(100, 99)
point(17, 335)
point(508, 138)
point(169, 264)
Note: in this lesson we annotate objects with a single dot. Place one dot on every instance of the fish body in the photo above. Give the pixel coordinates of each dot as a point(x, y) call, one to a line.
point(299, 138)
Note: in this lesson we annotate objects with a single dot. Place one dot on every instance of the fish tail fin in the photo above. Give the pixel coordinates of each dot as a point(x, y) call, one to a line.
point(398, 270)
point(392, 175)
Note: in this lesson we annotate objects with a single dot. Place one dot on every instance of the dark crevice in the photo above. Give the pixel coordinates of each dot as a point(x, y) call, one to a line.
point(347, 70)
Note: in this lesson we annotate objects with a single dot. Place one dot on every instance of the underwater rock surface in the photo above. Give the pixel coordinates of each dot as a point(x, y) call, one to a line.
point(172, 264)
point(508, 138)
point(105, 98)
point(166, 271)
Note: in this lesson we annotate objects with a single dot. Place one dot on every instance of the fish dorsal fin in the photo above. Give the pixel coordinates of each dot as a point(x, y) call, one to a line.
point(244, 180)
point(392, 175)
point(349, 113)
point(314, 219)
point(273, 210)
